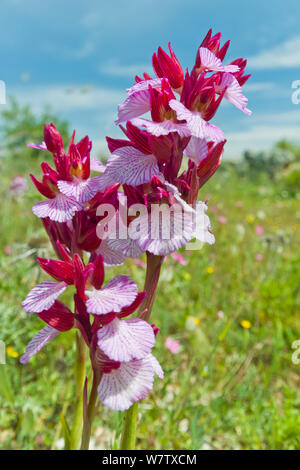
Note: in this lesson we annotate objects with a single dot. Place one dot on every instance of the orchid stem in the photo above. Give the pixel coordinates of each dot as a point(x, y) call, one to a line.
point(80, 378)
point(129, 430)
point(89, 413)
point(154, 263)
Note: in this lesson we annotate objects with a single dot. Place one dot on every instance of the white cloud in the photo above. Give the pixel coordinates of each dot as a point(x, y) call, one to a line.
point(66, 98)
point(115, 69)
point(264, 131)
point(259, 86)
point(285, 55)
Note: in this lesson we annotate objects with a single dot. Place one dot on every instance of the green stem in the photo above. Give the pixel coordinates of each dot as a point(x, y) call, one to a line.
point(129, 428)
point(154, 264)
point(90, 412)
point(80, 372)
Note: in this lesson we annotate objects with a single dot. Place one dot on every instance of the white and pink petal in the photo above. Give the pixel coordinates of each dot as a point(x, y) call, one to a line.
point(120, 292)
point(131, 382)
point(61, 208)
point(81, 190)
point(211, 62)
point(43, 296)
point(234, 92)
point(196, 149)
point(38, 342)
point(197, 126)
point(128, 247)
point(162, 236)
point(111, 256)
point(97, 165)
point(128, 165)
point(124, 340)
point(162, 128)
point(135, 105)
point(144, 85)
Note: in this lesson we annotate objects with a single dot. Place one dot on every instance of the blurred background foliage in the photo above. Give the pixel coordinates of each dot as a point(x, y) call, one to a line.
point(233, 308)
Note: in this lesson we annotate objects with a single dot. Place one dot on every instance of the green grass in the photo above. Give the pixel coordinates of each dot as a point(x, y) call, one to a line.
point(229, 387)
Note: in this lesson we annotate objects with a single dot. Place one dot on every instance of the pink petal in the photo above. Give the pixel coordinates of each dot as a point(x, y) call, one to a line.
point(60, 209)
point(144, 85)
point(131, 382)
point(38, 342)
point(124, 340)
point(172, 345)
point(165, 235)
point(43, 296)
point(211, 62)
point(42, 146)
point(127, 165)
point(110, 256)
point(162, 128)
point(196, 149)
point(179, 258)
point(129, 247)
point(118, 293)
point(156, 366)
point(81, 190)
point(97, 165)
point(234, 92)
point(197, 126)
point(135, 105)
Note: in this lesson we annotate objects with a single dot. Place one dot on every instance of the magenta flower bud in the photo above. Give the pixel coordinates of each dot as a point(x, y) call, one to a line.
point(169, 67)
point(52, 139)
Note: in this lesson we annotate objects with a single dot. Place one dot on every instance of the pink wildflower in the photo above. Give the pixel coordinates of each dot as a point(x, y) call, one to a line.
point(172, 345)
point(259, 230)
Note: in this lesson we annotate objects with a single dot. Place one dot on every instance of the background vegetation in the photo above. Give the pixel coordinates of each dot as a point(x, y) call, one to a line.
point(234, 309)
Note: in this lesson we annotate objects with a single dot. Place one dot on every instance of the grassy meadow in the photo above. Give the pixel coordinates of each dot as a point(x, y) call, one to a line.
point(234, 309)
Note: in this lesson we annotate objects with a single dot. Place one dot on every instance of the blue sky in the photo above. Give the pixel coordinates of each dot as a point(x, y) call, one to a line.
point(81, 56)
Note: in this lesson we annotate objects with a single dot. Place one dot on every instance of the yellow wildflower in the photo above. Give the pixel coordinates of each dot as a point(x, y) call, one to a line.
point(11, 352)
point(245, 324)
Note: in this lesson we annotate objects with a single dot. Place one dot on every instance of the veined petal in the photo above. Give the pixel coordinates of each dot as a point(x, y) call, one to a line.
point(196, 149)
point(124, 340)
point(128, 247)
point(81, 190)
point(156, 366)
point(144, 85)
point(111, 257)
point(118, 293)
point(135, 105)
point(211, 62)
point(43, 296)
point(162, 128)
point(128, 165)
point(131, 382)
point(97, 165)
point(234, 92)
point(166, 235)
point(60, 209)
point(38, 342)
point(197, 126)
